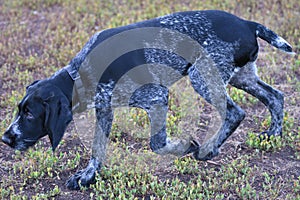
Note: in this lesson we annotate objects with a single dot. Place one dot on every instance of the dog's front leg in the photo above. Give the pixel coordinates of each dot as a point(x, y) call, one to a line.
point(87, 176)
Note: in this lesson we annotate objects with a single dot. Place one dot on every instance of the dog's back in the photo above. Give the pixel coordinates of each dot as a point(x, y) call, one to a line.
point(230, 42)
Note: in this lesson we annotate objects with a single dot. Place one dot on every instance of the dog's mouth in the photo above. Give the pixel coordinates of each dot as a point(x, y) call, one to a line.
point(27, 143)
point(23, 144)
point(30, 140)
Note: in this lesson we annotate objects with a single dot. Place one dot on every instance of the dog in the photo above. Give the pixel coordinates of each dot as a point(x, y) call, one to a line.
point(213, 48)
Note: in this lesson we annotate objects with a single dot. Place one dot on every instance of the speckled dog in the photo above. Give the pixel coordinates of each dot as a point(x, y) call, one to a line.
point(134, 65)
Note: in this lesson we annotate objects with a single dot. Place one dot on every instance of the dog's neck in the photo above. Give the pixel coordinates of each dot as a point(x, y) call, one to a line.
point(70, 83)
point(65, 83)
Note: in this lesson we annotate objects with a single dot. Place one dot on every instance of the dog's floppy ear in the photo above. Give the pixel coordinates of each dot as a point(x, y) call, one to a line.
point(57, 117)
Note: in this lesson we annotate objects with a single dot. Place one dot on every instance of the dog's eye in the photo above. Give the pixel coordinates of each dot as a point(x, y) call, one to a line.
point(28, 114)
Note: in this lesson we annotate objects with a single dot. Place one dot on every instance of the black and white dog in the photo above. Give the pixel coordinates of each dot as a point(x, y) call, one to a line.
point(138, 63)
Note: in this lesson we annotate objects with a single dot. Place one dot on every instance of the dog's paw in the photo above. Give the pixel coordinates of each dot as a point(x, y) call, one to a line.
point(194, 147)
point(85, 177)
point(82, 178)
point(208, 156)
point(204, 154)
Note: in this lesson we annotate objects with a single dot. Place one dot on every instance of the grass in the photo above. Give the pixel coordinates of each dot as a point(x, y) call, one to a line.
point(39, 37)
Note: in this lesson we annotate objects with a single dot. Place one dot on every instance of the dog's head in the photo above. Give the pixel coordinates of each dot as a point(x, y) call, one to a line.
point(44, 110)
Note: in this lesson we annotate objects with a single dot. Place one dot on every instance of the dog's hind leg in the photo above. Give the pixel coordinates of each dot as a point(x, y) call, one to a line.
point(87, 176)
point(246, 79)
point(153, 99)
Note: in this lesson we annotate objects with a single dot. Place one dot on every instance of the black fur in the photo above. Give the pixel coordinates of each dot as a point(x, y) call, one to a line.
point(228, 41)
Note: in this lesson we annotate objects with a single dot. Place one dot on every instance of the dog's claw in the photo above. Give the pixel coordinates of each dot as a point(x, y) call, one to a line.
point(72, 183)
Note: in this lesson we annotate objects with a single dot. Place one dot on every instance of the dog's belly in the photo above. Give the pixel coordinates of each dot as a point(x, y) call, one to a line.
point(156, 75)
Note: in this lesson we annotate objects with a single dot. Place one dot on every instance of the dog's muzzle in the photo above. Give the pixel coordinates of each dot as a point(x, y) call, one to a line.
point(12, 140)
point(8, 139)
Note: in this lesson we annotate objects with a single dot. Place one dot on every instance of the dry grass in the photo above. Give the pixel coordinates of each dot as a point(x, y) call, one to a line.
point(39, 37)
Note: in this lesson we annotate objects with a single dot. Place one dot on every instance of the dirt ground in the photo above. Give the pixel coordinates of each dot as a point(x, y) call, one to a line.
point(278, 69)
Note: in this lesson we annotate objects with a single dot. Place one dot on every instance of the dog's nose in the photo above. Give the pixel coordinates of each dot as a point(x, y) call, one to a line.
point(7, 139)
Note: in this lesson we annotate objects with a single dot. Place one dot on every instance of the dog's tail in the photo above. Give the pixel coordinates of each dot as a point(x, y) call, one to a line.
point(271, 37)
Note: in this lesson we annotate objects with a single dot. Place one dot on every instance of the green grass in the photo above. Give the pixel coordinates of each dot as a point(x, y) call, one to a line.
point(39, 37)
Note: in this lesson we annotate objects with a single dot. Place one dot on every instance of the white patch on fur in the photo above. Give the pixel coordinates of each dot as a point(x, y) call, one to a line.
point(281, 41)
point(15, 127)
